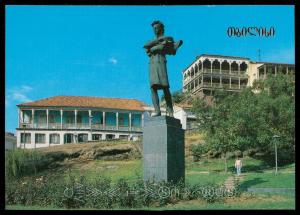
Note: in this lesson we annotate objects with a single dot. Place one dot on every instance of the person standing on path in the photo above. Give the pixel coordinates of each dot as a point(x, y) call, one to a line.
point(238, 165)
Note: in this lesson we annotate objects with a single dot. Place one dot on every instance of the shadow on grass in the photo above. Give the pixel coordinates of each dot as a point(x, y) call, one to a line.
point(251, 168)
point(247, 184)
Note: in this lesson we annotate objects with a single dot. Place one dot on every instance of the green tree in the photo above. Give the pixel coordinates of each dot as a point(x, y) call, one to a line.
point(247, 120)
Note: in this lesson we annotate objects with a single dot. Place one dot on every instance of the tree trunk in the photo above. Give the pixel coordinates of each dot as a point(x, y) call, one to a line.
point(225, 159)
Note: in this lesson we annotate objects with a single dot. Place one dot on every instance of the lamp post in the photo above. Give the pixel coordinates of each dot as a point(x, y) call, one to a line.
point(275, 145)
point(24, 127)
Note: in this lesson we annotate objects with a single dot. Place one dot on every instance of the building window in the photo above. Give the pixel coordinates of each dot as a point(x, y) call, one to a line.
point(110, 136)
point(96, 137)
point(54, 138)
point(82, 138)
point(40, 138)
point(26, 138)
point(123, 137)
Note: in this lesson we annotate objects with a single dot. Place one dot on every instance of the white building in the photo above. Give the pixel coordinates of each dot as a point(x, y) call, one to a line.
point(69, 119)
point(208, 73)
point(186, 116)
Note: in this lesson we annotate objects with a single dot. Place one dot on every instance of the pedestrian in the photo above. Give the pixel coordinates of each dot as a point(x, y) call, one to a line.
point(238, 165)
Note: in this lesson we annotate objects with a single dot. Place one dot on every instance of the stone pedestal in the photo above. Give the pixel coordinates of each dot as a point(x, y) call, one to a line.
point(163, 149)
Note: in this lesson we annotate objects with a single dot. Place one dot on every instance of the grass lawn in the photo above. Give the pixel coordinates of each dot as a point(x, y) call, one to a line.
point(130, 170)
point(269, 180)
point(218, 165)
point(258, 202)
point(203, 172)
point(256, 174)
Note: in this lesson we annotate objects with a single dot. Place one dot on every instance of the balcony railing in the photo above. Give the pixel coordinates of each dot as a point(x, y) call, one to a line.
point(206, 70)
point(234, 72)
point(97, 126)
point(133, 128)
point(81, 126)
point(225, 71)
point(25, 125)
point(234, 86)
point(40, 125)
point(54, 125)
point(226, 86)
point(110, 127)
point(69, 125)
point(124, 128)
point(206, 84)
point(216, 71)
point(216, 85)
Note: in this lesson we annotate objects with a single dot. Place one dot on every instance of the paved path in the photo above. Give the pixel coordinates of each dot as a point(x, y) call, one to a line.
point(229, 183)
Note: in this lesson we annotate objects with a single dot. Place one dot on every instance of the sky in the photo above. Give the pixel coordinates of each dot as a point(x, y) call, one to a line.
point(97, 50)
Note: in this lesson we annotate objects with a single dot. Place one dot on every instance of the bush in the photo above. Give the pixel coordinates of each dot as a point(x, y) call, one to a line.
point(198, 150)
point(22, 162)
point(100, 193)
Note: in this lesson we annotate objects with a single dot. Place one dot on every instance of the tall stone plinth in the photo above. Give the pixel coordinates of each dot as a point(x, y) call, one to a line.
point(163, 149)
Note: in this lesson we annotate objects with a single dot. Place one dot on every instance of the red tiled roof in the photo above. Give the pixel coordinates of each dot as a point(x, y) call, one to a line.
point(184, 105)
point(88, 102)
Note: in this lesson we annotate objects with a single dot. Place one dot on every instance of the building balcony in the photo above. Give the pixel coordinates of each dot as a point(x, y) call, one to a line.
point(54, 125)
point(97, 126)
point(134, 128)
point(235, 86)
point(234, 72)
point(206, 84)
point(124, 128)
point(226, 72)
point(216, 85)
point(25, 125)
point(86, 126)
point(110, 127)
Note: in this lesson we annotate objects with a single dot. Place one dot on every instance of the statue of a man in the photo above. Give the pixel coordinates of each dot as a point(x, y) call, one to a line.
point(157, 49)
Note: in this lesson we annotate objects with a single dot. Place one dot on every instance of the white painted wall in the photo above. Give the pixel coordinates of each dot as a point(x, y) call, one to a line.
point(33, 145)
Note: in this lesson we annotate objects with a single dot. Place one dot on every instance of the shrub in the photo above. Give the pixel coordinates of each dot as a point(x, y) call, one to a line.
point(198, 150)
point(21, 162)
point(100, 193)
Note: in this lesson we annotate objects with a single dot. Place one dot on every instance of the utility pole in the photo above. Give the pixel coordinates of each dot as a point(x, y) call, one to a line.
point(275, 145)
point(259, 58)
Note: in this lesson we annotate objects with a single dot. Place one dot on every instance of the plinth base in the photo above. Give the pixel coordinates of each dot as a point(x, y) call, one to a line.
point(163, 149)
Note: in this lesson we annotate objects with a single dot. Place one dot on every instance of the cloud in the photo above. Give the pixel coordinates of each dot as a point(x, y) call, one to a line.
point(18, 95)
point(113, 60)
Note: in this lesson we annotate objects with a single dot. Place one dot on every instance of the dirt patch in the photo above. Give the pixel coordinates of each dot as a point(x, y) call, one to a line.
point(81, 156)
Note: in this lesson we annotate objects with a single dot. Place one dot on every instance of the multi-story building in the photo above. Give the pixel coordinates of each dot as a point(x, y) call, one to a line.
point(67, 119)
point(210, 72)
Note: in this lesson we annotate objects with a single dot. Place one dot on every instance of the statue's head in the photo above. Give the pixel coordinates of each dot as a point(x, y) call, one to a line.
point(158, 28)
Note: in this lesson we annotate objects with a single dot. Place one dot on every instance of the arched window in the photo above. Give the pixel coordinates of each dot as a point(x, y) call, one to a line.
point(206, 65)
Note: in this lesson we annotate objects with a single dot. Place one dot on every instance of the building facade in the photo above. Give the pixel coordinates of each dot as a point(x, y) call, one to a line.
point(73, 119)
point(211, 72)
point(187, 118)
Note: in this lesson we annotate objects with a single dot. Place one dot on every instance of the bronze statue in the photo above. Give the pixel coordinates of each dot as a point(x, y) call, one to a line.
point(157, 49)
